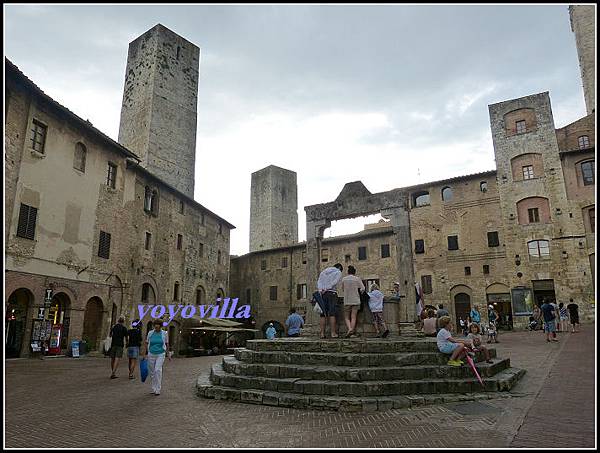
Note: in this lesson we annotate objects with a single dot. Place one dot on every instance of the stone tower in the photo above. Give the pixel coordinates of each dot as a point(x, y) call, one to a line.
point(158, 113)
point(273, 208)
point(583, 24)
point(542, 237)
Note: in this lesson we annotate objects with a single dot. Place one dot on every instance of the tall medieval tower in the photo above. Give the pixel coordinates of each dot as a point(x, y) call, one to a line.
point(583, 24)
point(273, 208)
point(158, 113)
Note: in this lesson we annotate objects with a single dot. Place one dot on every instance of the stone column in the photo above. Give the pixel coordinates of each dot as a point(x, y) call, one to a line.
point(314, 236)
point(400, 220)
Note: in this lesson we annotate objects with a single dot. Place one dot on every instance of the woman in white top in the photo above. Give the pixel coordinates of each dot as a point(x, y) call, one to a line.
point(351, 285)
point(157, 346)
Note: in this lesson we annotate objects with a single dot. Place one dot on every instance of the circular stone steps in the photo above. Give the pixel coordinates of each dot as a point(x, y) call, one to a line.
point(355, 374)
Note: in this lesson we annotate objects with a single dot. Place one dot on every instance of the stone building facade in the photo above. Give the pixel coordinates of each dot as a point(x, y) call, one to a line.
point(509, 237)
point(94, 229)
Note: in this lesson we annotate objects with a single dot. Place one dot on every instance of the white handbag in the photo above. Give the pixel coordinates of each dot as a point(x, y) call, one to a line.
point(317, 309)
point(107, 344)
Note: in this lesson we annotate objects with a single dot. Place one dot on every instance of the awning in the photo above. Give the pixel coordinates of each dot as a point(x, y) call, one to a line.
point(198, 322)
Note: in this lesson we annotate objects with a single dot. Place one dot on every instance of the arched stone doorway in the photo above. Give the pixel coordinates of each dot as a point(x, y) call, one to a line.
point(59, 315)
point(15, 323)
point(462, 307)
point(92, 323)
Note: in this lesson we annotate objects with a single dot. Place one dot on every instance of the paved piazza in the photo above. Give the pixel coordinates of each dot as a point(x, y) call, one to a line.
point(67, 402)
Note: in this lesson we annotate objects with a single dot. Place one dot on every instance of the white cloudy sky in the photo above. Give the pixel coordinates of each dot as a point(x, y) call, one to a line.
point(392, 95)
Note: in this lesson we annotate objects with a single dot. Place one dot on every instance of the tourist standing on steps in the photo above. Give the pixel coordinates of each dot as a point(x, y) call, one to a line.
point(293, 324)
point(351, 285)
point(271, 332)
point(134, 343)
point(376, 307)
point(118, 333)
point(157, 345)
point(327, 286)
point(549, 321)
point(573, 315)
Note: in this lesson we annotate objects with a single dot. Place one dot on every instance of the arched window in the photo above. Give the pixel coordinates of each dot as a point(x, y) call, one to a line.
point(539, 249)
point(420, 199)
point(79, 157)
point(587, 171)
point(148, 296)
point(447, 194)
point(583, 141)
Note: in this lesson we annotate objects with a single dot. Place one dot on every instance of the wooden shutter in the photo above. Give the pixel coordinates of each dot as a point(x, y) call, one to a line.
point(27, 221)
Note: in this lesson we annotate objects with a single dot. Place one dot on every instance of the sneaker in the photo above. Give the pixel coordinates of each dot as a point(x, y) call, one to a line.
point(454, 363)
point(112, 376)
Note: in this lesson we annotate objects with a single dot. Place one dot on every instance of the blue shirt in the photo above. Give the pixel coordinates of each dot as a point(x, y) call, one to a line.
point(293, 323)
point(475, 316)
point(271, 333)
point(547, 311)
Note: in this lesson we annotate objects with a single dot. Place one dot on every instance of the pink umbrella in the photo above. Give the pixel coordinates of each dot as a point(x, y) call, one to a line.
point(472, 364)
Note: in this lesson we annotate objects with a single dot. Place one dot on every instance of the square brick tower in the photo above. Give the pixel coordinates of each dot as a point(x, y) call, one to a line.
point(159, 109)
point(273, 208)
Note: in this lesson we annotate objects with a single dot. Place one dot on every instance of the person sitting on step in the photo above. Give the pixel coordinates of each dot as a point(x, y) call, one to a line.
point(475, 337)
point(448, 345)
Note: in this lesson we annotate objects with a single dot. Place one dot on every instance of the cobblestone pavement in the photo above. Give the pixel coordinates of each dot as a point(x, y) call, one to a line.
point(68, 402)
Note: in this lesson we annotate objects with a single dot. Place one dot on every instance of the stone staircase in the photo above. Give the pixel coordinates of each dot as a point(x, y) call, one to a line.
point(351, 374)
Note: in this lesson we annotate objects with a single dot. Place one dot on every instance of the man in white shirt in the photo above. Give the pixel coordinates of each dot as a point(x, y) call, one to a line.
point(327, 285)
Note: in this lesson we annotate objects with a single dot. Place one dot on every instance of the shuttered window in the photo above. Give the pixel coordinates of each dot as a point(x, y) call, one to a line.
point(104, 245)
point(426, 284)
point(27, 220)
point(38, 136)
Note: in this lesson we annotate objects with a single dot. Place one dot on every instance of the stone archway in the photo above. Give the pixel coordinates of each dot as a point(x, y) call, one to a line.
point(355, 200)
point(15, 323)
point(92, 323)
point(462, 308)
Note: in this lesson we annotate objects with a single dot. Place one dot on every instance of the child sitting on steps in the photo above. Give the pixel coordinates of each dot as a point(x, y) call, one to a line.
point(448, 345)
point(475, 337)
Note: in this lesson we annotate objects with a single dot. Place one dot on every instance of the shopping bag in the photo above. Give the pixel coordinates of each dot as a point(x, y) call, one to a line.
point(144, 369)
point(107, 344)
